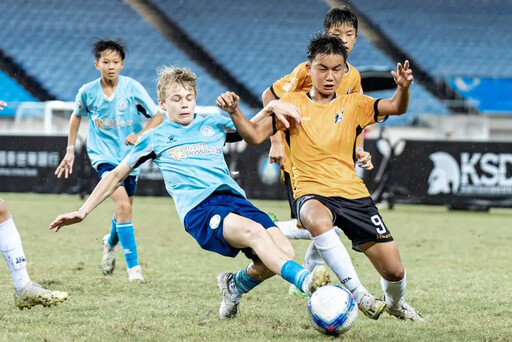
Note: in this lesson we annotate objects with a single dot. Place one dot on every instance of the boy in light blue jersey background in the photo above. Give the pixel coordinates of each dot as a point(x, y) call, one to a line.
point(114, 105)
point(212, 207)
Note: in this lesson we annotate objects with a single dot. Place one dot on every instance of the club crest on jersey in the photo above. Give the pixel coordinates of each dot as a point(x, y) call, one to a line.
point(122, 105)
point(338, 117)
point(207, 131)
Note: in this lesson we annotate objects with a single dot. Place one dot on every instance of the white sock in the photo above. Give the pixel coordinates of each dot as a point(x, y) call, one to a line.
point(337, 258)
point(393, 291)
point(290, 230)
point(12, 250)
point(313, 258)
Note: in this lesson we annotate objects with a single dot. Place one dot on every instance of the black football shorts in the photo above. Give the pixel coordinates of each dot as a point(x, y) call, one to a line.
point(358, 218)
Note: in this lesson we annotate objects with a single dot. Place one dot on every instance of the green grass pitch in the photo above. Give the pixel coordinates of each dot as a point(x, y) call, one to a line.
point(459, 276)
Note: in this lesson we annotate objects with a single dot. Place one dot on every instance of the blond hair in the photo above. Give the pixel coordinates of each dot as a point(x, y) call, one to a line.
point(169, 75)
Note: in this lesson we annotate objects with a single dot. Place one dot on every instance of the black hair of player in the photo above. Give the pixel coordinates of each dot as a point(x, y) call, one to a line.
point(323, 44)
point(340, 16)
point(108, 44)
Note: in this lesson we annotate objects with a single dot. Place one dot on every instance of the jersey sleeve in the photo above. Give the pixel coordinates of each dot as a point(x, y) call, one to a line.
point(225, 123)
point(145, 103)
point(143, 150)
point(297, 80)
point(356, 86)
point(80, 103)
point(367, 109)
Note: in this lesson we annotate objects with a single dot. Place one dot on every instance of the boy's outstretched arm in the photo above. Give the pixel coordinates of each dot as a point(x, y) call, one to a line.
point(156, 120)
point(104, 189)
point(254, 133)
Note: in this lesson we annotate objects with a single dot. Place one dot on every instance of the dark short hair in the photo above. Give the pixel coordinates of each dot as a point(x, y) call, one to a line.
point(340, 16)
point(323, 44)
point(108, 44)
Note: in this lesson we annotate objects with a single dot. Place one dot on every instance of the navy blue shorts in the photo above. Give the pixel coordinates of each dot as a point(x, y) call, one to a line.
point(130, 183)
point(205, 221)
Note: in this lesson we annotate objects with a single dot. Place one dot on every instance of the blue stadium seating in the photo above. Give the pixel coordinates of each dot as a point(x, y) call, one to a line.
point(261, 41)
point(448, 38)
point(51, 41)
point(12, 93)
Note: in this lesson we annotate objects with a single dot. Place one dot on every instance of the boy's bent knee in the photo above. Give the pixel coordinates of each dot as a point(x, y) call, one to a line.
point(394, 274)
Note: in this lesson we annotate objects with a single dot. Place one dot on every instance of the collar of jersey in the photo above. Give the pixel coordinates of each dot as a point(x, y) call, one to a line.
point(177, 125)
point(318, 104)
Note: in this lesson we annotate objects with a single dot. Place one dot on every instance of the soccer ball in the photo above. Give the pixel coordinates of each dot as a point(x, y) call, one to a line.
point(333, 309)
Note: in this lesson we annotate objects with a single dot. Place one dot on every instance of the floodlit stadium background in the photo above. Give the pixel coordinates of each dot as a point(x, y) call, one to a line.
point(458, 51)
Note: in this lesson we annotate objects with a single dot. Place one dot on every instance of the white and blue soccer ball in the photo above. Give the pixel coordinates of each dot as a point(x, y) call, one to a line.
point(333, 309)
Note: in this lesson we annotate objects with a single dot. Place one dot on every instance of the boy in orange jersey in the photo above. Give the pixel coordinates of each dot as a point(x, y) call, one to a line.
point(325, 186)
point(341, 23)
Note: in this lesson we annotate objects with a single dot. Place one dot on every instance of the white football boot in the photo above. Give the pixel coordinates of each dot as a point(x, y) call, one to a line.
point(108, 262)
point(34, 294)
point(318, 278)
point(229, 304)
point(405, 311)
point(135, 273)
point(371, 306)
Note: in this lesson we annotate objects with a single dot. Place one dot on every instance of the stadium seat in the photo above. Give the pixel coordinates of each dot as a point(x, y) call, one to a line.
point(12, 93)
point(51, 40)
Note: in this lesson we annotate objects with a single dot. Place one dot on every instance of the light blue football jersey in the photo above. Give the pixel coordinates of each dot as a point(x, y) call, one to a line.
point(112, 120)
point(190, 158)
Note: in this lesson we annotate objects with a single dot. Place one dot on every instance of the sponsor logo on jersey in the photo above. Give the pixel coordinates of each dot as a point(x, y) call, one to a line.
point(79, 104)
point(122, 105)
point(112, 123)
point(171, 139)
point(193, 150)
point(207, 131)
point(474, 173)
point(215, 221)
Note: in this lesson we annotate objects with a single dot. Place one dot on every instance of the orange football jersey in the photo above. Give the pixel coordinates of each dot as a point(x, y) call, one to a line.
point(322, 147)
point(299, 81)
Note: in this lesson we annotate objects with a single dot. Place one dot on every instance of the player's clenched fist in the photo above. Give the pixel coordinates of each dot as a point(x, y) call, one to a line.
point(228, 101)
point(285, 112)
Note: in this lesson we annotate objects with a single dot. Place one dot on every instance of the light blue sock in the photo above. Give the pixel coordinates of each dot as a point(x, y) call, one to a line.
point(244, 282)
point(294, 273)
point(127, 239)
point(113, 238)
